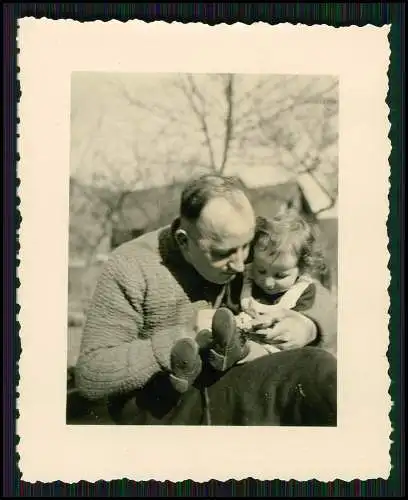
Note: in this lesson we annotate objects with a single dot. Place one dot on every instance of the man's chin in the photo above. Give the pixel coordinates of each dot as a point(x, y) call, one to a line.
point(221, 279)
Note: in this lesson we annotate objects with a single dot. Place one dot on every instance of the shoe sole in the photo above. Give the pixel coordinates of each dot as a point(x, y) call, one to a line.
point(183, 376)
point(224, 321)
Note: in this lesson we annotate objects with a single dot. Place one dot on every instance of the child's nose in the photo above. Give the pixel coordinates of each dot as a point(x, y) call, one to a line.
point(269, 282)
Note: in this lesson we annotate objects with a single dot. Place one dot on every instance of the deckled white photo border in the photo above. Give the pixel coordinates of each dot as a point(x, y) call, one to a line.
point(359, 447)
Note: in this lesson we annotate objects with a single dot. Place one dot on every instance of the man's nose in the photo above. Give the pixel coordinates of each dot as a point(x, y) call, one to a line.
point(237, 263)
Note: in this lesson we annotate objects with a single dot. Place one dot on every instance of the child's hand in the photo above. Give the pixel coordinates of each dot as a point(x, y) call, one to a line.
point(263, 336)
point(268, 320)
point(293, 331)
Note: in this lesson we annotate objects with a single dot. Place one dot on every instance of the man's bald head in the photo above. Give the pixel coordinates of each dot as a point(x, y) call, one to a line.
point(199, 192)
point(223, 216)
point(217, 225)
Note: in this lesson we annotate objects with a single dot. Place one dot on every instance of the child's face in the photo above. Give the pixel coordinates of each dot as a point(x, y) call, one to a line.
point(274, 274)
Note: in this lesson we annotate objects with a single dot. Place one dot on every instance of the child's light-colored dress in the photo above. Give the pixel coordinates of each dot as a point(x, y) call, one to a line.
point(253, 308)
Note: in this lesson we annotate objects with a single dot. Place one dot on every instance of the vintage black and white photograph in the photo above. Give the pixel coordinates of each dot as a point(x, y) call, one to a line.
point(203, 249)
point(203, 264)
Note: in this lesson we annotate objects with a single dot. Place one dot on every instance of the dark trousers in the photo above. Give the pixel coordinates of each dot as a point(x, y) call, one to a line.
point(291, 388)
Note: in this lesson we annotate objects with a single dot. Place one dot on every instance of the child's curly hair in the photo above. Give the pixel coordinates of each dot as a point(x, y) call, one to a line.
point(289, 230)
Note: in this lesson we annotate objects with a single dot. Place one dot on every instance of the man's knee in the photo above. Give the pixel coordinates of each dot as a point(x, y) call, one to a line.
point(321, 362)
point(303, 387)
point(319, 383)
point(289, 388)
point(318, 353)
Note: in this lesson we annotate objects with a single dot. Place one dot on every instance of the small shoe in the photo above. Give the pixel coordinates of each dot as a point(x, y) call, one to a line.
point(229, 344)
point(185, 364)
point(204, 339)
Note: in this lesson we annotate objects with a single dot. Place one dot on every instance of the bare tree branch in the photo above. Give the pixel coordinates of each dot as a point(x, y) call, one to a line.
point(89, 143)
point(256, 92)
point(289, 103)
point(163, 112)
point(228, 121)
point(200, 114)
point(108, 219)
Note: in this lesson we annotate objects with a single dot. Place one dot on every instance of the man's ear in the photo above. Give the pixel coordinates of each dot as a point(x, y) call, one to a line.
point(181, 238)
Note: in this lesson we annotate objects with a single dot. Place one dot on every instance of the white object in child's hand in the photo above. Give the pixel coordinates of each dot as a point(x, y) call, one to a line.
point(244, 321)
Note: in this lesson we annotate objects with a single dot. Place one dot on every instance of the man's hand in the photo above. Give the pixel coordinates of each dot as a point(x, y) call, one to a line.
point(293, 330)
point(268, 319)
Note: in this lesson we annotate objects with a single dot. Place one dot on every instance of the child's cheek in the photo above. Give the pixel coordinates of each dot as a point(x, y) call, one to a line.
point(289, 282)
point(283, 284)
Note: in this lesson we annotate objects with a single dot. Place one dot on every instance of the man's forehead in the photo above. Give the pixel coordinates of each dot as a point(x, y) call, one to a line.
point(220, 213)
point(235, 202)
point(224, 231)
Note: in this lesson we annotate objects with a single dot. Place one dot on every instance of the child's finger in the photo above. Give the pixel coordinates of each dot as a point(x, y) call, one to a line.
point(286, 346)
point(259, 335)
point(278, 341)
point(263, 323)
point(269, 320)
point(277, 332)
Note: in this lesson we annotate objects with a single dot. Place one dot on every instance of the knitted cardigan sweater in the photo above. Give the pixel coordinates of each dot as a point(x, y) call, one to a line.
point(147, 296)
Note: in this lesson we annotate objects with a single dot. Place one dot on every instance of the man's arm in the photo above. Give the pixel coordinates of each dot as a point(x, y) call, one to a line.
point(312, 321)
point(318, 304)
point(114, 356)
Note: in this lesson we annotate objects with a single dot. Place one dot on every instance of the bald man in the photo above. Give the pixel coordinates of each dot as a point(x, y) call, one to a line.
point(141, 334)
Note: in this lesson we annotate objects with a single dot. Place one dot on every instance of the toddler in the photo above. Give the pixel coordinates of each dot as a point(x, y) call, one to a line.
point(286, 267)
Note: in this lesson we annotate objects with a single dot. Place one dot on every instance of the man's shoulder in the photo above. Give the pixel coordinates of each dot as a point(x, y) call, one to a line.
point(146, 243)
point(143, 250)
